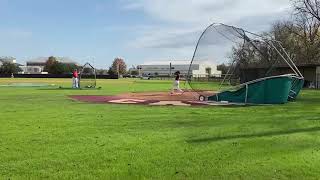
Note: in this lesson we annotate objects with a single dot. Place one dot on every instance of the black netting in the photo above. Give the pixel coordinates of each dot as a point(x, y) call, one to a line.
point(88, 76)
point(245, 56)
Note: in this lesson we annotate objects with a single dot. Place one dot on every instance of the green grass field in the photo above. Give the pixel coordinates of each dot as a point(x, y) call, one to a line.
point(45, 135)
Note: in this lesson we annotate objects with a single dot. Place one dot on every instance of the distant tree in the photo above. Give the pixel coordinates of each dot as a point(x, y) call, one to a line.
point(223, 68)
point(50, 62)
point(52, 66)
point(87, 70)
point(69, 68)
point(299, 37)
point(306, 29)
point(9, 68)
point(304, 40)
point(134, 73)
point(111, 71)
point(119, 66)
point(101, 71)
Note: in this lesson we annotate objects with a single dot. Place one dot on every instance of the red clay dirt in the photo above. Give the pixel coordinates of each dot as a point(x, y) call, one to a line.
point(162, 96)
point(148, 98)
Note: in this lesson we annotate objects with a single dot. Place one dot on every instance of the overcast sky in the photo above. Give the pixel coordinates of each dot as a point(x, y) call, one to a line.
point(137, 30)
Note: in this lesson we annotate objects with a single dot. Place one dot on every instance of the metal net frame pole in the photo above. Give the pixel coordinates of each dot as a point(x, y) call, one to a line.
point(94, 74)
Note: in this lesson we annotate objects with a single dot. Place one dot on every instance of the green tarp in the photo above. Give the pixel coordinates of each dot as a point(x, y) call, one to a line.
point(297, 85)
point(272, 90)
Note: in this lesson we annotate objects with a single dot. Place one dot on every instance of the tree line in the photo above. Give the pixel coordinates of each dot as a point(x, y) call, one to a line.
point(53, 66)
point(9, 68)
point(299, 36)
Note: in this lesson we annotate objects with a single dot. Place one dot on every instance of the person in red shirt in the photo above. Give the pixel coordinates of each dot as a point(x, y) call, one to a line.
point(75, 79)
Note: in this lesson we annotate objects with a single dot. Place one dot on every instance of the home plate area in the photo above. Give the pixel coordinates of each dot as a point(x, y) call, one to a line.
point(150, 98)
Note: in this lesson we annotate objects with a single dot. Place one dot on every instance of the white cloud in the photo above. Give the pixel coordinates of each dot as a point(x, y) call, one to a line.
point(133, 5)
point(179, 23)
point(227, 11)
point(166, 37)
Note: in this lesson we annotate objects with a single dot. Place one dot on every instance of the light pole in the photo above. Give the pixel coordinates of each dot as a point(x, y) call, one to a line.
point(139, 70)
point(171, 68)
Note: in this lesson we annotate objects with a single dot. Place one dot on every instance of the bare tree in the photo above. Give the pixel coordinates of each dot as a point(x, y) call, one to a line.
point(309, 7)
point(119, 66)
point(304, 30)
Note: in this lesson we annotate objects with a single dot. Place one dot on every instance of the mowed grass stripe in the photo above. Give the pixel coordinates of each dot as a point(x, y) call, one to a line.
point(44, 134)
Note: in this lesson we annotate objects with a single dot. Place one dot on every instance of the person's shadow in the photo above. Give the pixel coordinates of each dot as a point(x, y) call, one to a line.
point(255, 135)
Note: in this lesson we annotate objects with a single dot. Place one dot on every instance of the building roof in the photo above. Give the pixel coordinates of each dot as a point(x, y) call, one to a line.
point(166, 62)
point(179, 62)
point(280, 65)
point(65, 60)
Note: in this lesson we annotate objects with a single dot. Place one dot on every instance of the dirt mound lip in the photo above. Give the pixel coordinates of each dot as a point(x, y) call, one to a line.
point(161, 96)
point(165, 96)
point(145, 98)
point(93, 98)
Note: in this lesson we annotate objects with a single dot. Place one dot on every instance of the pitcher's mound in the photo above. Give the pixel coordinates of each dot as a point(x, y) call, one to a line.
point(149, 98)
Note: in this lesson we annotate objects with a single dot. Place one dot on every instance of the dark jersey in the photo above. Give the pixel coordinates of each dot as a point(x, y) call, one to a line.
point(177, 77)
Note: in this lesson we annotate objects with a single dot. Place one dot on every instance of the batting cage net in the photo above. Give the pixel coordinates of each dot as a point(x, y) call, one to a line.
point(227, 56)
point(88, 78)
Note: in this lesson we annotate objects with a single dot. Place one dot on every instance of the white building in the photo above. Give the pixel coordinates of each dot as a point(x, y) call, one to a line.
point(36, 66)
point(32, 70)
point(167, 69)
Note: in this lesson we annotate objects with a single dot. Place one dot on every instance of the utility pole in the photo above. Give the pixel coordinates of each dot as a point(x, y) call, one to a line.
point(139, 69)
point(93, 61)
point(171, 68)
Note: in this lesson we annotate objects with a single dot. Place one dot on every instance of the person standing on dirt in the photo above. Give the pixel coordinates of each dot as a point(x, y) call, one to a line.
point(75, 79)
point(176, 83)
